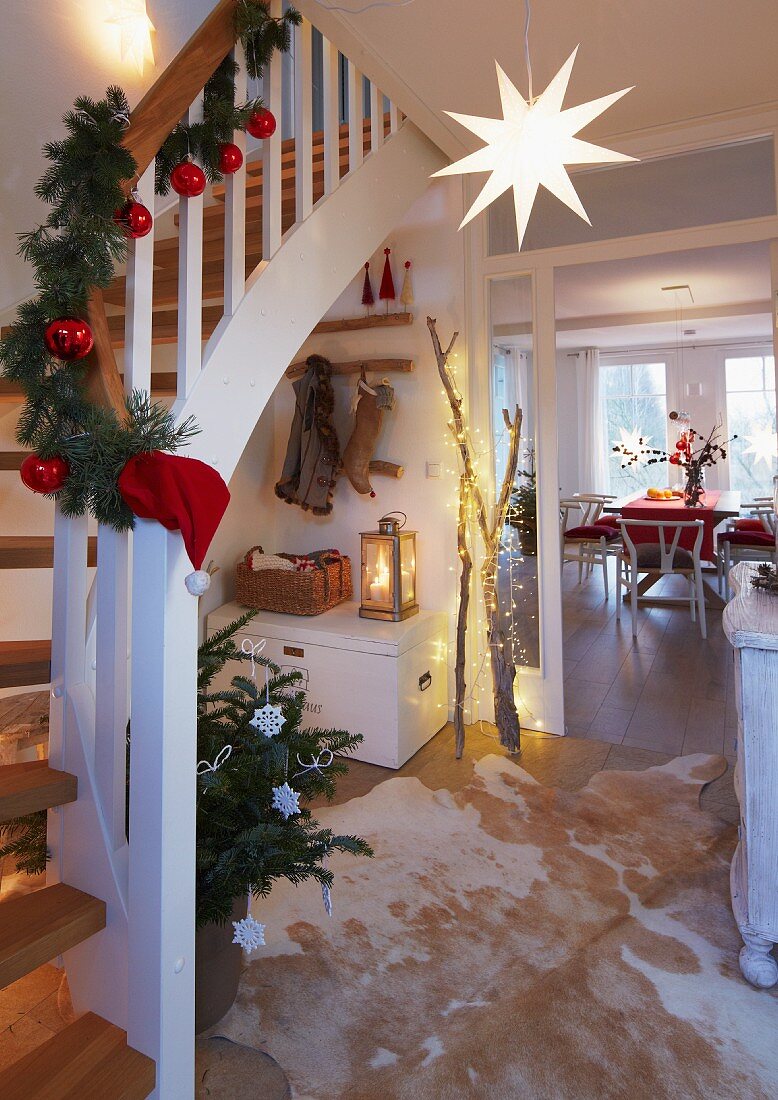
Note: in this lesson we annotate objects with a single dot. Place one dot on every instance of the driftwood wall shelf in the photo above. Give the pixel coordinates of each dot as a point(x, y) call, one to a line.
point(374, 366)
point(372, 320)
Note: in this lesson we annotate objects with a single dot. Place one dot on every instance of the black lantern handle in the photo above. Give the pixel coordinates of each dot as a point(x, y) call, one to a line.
point(387, 518)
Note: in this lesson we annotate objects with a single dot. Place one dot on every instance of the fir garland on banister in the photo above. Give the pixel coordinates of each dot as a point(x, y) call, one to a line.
point(75, 251)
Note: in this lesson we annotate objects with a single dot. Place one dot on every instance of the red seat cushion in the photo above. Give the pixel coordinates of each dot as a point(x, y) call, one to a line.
point(747, 538)
point(749, 525)
point(608, 521)
point(591, 532)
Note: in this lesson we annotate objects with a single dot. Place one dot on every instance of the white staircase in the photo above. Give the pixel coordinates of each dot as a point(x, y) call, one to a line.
point(138, 973)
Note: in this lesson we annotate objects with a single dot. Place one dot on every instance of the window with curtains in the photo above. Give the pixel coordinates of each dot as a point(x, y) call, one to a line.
point(634, 407)
point(750, 382)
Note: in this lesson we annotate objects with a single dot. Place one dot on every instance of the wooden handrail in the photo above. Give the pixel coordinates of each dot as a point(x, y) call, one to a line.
point(162, 106)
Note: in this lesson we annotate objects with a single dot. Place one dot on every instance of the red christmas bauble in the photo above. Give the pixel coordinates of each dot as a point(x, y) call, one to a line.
point(675, 460)
point(44, 475)
point(69, 338)
point(134, 218)
point(230, 158)
point(188, 179)
point(262, 123)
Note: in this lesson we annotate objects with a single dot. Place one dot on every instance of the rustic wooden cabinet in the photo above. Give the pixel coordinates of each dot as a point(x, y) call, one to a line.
point(751, 625)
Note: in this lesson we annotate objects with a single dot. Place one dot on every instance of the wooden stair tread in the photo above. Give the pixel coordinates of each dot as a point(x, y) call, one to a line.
point(36, 927)
point(88, 1060)
point(25, 788)
point(35, 551)
point(12, 460)
point(12, 393)
point(25, 663)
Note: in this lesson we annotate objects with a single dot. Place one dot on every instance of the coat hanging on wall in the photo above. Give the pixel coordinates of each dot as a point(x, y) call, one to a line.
point(313, 452)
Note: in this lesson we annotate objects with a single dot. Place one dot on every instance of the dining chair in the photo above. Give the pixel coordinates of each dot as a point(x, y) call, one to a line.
point(663, 558)
point(751, 539)
point(591, 540)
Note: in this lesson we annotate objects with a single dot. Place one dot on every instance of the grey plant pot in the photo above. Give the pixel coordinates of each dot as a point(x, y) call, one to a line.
point(218, 963)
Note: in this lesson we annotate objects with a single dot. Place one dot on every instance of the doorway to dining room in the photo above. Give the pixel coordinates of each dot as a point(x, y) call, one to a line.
point(637, 340)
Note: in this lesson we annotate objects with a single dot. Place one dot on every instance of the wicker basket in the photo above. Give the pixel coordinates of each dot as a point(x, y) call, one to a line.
point(289, 593)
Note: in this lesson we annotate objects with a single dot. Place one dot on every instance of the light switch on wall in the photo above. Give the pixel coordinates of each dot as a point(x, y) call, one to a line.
point(433, 469)
point(694, 389)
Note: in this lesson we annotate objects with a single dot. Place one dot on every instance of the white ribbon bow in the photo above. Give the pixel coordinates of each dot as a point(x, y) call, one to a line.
point(253, 649)
point(316, 764)
point(222, 757)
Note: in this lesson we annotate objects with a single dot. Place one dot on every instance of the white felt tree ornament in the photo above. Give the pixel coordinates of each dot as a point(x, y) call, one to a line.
point(268, 720)
point(286, 801)
point(406, 293)
point(249, 933)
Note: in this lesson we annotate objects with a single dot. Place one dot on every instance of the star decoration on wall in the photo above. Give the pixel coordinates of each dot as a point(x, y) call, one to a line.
point(531, 144)
point(763, 445)
point(268, 720)
point(249, 933)
point(286, 801)
point(135, 28)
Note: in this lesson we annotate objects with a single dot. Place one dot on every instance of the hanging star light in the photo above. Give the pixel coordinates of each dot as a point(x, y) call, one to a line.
point(132, 19)
point(763, 445)
point(531, 144)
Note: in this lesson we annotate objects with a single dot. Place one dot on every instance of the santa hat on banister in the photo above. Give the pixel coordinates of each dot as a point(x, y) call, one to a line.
point(183, 494)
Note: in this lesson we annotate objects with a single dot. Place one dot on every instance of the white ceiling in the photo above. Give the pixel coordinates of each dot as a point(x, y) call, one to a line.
point(687, 58)
point(615, 294)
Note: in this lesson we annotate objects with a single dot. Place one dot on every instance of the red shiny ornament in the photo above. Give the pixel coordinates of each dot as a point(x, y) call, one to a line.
point(134, 218)
point(675, 460)
point(69, 338)
point(262, 123)
point(230, 158)
point(188, 179)
point(680, 445)
point(44, 475)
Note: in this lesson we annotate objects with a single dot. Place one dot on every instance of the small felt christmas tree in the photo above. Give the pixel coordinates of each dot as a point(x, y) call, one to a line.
point(387, 293)
point(406, 294)
point(367, 290)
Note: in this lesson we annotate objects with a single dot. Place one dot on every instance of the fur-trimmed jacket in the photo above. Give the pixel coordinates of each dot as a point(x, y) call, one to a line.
point(313, 452)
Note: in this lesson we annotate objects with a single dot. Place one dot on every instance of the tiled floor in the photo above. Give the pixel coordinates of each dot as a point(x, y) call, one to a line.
point(668, 690)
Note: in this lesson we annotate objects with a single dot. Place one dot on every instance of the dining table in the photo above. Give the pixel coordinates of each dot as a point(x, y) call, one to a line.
point(717, 506)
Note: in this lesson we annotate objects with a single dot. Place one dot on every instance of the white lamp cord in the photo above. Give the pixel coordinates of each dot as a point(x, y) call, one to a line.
point(526, 52)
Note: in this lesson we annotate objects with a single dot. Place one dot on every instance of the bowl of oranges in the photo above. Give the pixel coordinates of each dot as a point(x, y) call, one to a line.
point(662, 494)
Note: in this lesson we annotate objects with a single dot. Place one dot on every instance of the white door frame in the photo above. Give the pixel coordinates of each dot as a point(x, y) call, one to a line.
point(547, 687)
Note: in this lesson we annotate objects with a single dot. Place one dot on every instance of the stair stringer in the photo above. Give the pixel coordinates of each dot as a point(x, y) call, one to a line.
point(287, 297)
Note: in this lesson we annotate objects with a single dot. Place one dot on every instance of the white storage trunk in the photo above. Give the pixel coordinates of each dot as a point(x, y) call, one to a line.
point(384, 680)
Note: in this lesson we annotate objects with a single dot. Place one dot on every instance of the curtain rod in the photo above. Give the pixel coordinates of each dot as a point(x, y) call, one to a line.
point(674, 347)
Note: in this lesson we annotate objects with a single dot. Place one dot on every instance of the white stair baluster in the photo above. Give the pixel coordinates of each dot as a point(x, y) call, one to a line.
point(163, 760)
point(235, 207)
point(303, 121)
point(356, 112)
point(331, 117)
point(376, 118)
point(271, 152)
point(394, 118)
point(190, 281)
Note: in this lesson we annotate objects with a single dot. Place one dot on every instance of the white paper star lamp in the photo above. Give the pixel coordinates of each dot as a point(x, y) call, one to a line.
point(531, 144)
point(634, 442)
point(763, 445)
point(135, 28)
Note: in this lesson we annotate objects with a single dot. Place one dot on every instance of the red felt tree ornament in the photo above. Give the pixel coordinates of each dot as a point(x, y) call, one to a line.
point(367, 290)
point(44, 475)
point(188, 179)
point(387, 293)
point(230, 158)
point(69, 338)
point(134, 218)
point(262, 123)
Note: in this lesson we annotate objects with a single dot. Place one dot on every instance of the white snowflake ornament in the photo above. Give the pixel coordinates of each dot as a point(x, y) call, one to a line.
point(268, 720)
point(249, 933)
point(286, 801)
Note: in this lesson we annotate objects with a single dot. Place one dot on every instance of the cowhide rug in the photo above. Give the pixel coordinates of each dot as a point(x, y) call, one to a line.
point(516, 941)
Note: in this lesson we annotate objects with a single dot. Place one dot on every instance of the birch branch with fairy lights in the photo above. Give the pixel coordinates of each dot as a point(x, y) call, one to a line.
point(471, 503)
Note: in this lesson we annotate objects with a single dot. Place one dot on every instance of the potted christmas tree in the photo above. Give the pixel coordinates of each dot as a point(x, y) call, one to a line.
point(258, 770)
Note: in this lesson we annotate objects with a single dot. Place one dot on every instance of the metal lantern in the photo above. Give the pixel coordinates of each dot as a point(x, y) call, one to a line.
point(389, 570)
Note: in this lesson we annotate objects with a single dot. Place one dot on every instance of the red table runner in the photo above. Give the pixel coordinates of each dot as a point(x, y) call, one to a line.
point(675, 510)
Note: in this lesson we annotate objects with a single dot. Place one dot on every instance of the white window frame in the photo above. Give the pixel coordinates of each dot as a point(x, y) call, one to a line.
point(736, 351)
